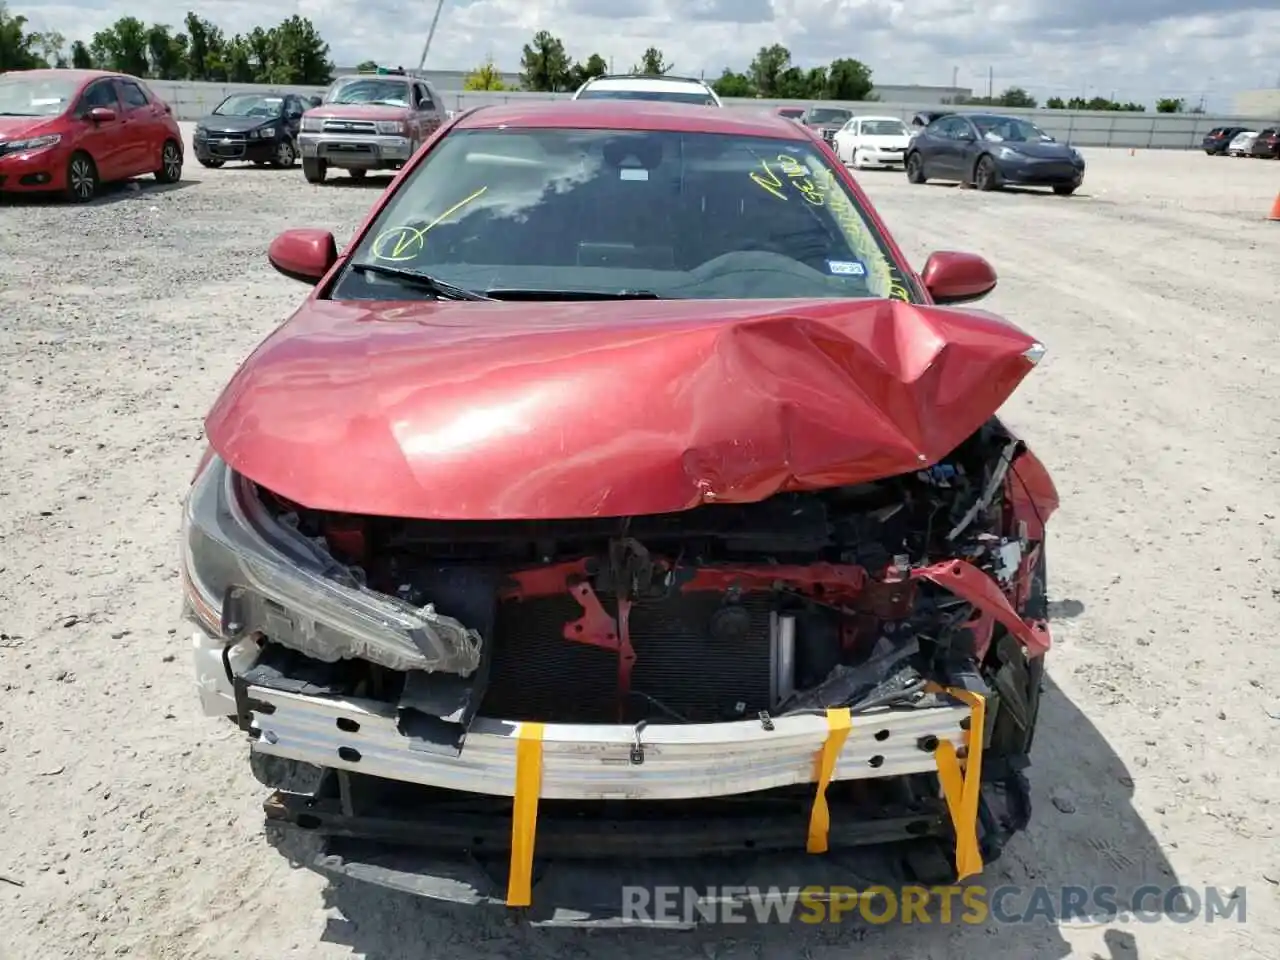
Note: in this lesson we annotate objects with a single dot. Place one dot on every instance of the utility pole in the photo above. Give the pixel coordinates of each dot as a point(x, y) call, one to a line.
point(430, 34)
point(955, 77)
point(991, 79)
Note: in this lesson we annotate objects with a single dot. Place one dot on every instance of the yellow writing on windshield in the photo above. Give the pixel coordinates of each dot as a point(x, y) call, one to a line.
point(797, 175)
point(859, 237)
point(402, 243)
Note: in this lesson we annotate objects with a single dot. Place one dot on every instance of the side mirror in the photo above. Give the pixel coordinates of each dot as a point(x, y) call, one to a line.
point(304, 255)
point(313, 101)
point(293, 115)
point(957, 277)
point(101, 115)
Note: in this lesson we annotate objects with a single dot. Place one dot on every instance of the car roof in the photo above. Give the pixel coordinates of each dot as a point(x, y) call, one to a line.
point(645, 82)
point(80, 76)
point(631, 115)
point(874, 116)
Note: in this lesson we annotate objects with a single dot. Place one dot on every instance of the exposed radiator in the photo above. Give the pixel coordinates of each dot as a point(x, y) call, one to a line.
point(538, 675)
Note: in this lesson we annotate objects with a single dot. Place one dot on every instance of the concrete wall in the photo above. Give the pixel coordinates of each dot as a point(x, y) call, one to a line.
point(191, 100)
point(1264, 104)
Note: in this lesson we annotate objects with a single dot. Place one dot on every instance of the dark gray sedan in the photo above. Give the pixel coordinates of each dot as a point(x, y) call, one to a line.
point(991, 151)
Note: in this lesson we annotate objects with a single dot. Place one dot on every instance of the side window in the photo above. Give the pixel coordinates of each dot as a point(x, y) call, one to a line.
point(428, 101)
point(100, 94)
point(132, 95)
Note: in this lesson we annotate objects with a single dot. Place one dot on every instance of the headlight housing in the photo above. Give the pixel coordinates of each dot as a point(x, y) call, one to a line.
point(244, 573)
point(390, 128)
point(266, 133)
point(312, 125)
point(1008, 153)
point(31, 143)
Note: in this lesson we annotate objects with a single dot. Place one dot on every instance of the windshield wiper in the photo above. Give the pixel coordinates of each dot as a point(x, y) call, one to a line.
point(519, 294)
point(419, 281)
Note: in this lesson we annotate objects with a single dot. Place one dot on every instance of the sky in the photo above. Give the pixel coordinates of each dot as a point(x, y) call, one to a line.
point(1129, 49)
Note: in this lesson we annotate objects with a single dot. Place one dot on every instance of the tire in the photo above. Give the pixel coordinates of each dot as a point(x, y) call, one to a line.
point(915, 168)
point(82, 178)
point(1064, 190)
point(358, 174)
point(212, 164)
point(170, 163)
point(285, 154)
point(314, 170)
point(985, 175)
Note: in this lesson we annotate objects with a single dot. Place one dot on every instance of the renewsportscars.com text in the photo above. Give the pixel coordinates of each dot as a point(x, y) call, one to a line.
point(1076, 905)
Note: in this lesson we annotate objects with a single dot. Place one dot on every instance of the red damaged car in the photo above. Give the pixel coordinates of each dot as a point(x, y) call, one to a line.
point(622, 508)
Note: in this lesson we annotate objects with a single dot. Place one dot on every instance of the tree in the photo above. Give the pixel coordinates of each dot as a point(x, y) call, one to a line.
point(580, 73)
point(848, 79)
point(166, 53)
point(484, 77)
point(19, 50)
point(205, 47)
point(301, 55)
point(1016, 97)
point(1170, 105)
point(122, 47)
point(545, 65)
point(366, 66)
point(732, 84)
point(81, 59)
point(1055, 103)
point(652, 63)
point(766, 69)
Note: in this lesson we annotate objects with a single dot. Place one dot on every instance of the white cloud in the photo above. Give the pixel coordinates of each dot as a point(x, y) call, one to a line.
point(1134, 49)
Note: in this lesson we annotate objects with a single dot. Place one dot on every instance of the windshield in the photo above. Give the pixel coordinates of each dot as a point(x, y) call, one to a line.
point(249, 105)
point(1009, 129)
point(23, 96)
point(617, 213)
point(374, 90)
point(883, 128)
point(666, 96)
point(824, 115)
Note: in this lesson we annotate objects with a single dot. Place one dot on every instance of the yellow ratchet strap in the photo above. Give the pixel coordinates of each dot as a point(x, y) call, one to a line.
point(839, 722)
point(963, 790)
point(524, 814)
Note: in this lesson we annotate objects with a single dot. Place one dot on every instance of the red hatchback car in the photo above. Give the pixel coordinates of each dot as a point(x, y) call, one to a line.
point(622, 503)
point(73, 130)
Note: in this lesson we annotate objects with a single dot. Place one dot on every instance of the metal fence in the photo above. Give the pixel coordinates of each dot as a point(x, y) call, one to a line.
point(1085, 128)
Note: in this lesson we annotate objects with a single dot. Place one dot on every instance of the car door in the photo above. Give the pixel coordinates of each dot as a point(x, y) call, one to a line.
point(846, 141)
point(934, 144)
point(292, 116)
point(143, 133)
point(430, 112)
point(103, 141)
point(955, 141)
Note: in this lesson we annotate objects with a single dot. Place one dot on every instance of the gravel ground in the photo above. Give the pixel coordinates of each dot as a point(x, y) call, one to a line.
point(131, 825)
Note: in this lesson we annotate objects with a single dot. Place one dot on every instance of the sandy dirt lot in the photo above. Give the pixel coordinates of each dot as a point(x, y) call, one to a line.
point(130, 825)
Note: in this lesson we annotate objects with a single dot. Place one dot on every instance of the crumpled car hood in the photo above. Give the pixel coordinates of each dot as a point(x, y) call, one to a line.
point(470, 410)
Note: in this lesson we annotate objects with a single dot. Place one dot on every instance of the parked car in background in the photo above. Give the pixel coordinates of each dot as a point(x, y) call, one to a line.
point(1267, 144)
point(656, 87)
point(370, 121)
point(826, 120)
point(463, 625)
point(259, 128)
point(873, 142)
point(1242, 143)
point(990, 151)
point(70, 131)
point(791, 113)
point(925, 117)
point(1217, 140)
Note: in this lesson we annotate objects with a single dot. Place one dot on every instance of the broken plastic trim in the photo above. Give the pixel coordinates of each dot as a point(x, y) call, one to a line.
point(303, 598)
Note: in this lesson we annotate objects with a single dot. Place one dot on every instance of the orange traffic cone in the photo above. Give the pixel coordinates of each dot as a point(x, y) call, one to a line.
point(1275, 209)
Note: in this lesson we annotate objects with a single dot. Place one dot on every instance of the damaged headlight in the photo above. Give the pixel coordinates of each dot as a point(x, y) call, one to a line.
point(243, 572)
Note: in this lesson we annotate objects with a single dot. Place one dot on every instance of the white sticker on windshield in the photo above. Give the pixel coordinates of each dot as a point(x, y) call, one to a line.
point(633, 173)
point(847, 268)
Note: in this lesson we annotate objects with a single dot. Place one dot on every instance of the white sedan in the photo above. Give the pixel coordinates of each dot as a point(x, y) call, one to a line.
point(872, 142)
point(1242, 144)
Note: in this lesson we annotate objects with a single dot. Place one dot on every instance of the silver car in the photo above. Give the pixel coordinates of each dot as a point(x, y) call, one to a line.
point(1242, 144)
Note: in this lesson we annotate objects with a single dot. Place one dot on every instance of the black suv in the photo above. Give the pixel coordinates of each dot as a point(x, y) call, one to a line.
point(1217, 140)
